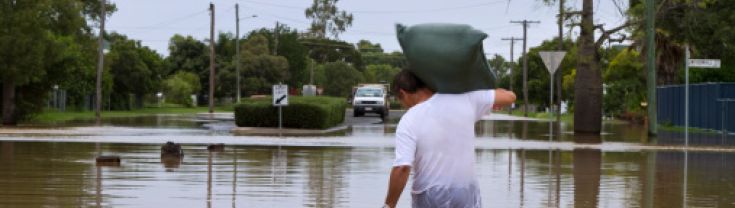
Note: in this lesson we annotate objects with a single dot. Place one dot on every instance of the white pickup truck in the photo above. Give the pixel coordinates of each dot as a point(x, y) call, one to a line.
point(371, 98)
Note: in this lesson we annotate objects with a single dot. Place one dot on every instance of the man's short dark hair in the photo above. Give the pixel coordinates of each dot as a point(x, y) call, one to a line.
point(407, 81)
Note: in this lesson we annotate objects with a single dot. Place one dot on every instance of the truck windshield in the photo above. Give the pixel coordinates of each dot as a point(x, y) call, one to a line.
point(369, 92)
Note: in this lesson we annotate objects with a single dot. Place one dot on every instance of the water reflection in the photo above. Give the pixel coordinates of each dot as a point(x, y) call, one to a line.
point(209, 179)
point(171, 162)
point(586, 173)
point(65, 174)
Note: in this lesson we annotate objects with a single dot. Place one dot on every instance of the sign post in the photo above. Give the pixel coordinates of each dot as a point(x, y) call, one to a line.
point(698, 63)
point(280, 99)
point(551, 59)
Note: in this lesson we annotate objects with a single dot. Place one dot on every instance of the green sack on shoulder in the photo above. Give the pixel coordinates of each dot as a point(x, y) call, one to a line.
point(448, 57)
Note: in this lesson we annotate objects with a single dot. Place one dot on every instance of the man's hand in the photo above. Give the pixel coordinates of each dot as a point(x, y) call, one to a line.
point(398, 179)
point(504, 97)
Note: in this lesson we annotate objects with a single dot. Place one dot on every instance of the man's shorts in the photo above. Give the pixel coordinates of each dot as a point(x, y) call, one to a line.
point(448, 197)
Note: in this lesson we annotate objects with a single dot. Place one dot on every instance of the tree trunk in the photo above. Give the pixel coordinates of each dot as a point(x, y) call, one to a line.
point(669, 58)
point(9, 102)
point(139, 98)
point(588, 82)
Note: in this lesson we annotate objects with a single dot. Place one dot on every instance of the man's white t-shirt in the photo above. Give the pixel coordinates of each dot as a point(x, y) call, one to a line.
point(437, 139)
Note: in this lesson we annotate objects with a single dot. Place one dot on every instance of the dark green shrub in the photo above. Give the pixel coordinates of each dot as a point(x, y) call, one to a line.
point(302, 113)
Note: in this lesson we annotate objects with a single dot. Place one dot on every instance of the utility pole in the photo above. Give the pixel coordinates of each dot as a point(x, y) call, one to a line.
point(560, 74)
point(651, 67)
point(525, 63)
point(211, 59)
point(311, 73)
point(100, 64)
point(275, 39)
point(512, 61)
point(237, 50)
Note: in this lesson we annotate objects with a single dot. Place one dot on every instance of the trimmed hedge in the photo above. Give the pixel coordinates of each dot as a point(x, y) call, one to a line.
point(302, 112)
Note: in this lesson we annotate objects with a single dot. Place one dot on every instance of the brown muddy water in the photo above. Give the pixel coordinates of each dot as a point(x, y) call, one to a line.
point(518, 165)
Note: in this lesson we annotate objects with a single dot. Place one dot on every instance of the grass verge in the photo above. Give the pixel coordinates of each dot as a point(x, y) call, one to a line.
point(56, 116)
point(567, 117)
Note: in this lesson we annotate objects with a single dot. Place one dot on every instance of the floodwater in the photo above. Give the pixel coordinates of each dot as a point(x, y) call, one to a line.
point(518, 165)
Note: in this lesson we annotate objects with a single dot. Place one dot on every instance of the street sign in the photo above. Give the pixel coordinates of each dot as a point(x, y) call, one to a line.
point(552, 59)
point(698, 63)
point(280, 95)
point(704, 63)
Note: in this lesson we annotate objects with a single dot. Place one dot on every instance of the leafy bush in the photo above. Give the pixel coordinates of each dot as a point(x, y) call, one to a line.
point(179, 88)
point(301, 112)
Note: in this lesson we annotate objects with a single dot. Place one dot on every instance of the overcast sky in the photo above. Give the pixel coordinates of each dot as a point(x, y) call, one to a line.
point(155, 21)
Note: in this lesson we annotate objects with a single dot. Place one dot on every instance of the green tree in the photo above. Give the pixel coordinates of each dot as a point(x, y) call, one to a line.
point(190, 55)
point(136, 71)
point(380, 73)
point(705, 25)
point(326, 19)
point(260, 69)
point(395, 59)
point(365, 46)
point(325, 51)
point(588, 79)
point(290, 47)
point(226, 75)
point(320, 76)
point(501, 67)
point(340, 78)
point(625, 77)
point(373, 54)
point(568, 86)
point(186, 54)
point(538, 75)
point(34, 38)
point(79, 74)
point(179, 88)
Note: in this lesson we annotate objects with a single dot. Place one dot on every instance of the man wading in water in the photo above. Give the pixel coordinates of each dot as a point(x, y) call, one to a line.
point(436, 138)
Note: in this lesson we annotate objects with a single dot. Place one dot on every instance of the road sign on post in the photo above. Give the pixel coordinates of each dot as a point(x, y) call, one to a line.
point(704, 63)
point(696, 63)
point(280, 95)
point(551, 59)
point(280, 99)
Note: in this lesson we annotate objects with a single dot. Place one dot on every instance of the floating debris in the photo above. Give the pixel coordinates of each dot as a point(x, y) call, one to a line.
point(108, 161)
point(216, 147)
point(171, 149)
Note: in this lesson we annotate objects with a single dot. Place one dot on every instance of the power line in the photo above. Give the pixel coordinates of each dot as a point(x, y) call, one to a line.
point(432, 10)
point(176, 20)
point(157, 28)
point(285, 18)
point(495, 28)
point(390, 11)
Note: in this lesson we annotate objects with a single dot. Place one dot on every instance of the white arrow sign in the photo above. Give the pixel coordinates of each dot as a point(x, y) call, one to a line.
point(280, 95)
point(704, 63)
point(552, 59)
